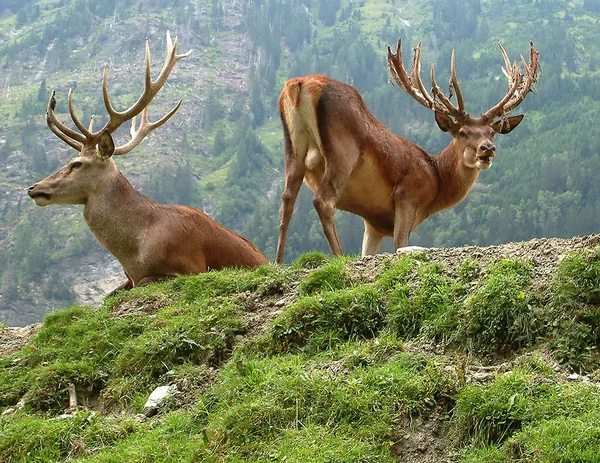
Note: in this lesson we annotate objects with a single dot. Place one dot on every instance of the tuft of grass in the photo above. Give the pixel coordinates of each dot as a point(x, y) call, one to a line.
point(502, 313)
point(310, 260)
point(425, 301)
point(262, 406)
point(577, 279)
point(324, 320)
point(489, 414)
point(39, 439)
point(574, 315)
point(331, 277)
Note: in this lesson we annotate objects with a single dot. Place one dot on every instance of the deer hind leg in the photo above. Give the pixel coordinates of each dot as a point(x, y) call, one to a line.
point(327, 195)
point(294, 175)
point(404, 219)
point(371, 241)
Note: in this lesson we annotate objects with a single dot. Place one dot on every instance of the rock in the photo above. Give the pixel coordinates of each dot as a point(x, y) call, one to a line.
point(407, 249)
point(157, 397)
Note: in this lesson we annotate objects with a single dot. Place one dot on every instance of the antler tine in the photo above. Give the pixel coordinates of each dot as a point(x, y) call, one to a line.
point(66, 134)
point(86, 133)
point(519, 85)
point(415, 77)
point(455, 86)
point(151, 88)
point(413, 85)
point(396, 66)
point(137, 135)
point(446, 107)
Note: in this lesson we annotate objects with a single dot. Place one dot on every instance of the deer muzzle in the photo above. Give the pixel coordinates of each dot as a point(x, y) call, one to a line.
point(40, 198)
point(485, 154)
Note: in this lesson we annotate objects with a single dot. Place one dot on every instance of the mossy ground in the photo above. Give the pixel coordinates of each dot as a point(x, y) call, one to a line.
point(342, 373)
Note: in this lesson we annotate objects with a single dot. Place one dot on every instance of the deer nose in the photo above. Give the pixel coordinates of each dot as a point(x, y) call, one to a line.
point(487, 148)
point(32, 187)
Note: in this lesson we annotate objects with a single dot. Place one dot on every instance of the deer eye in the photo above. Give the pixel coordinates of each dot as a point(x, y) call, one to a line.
point(462, 134)
point(75, 165)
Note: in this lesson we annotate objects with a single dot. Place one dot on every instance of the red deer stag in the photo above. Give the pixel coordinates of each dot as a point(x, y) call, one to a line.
point(152, 241)
point(351, 161)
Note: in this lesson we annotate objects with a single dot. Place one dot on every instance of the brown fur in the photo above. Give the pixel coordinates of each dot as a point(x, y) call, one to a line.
point(351, 161)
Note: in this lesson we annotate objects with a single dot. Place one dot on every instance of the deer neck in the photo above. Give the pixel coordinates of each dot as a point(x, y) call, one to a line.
point(116, 214)
point(455, 178)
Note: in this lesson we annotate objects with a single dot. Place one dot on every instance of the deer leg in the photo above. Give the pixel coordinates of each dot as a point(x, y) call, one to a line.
point(293, 182)
point(126, 285)
point(404, 219)
point(155, 279)
point(371, 241)
point(331, 188)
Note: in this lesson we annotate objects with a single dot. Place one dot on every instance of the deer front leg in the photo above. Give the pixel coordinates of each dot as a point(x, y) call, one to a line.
point(371, 241)
point(125, 286)
point(155, 279)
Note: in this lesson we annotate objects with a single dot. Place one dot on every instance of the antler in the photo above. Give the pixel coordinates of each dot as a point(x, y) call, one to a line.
point(519, 85)
point(85, 136)
point(413, 85)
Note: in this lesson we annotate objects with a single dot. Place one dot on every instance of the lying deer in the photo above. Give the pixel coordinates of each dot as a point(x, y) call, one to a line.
point(351, 161)
point(152, 241)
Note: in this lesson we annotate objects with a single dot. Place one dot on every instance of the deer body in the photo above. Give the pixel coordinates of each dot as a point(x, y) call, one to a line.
point(351, 161)
point(152, 241)
point(155, 241)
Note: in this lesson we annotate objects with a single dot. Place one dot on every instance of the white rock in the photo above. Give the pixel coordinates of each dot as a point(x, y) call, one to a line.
point(408, 249)
point(158, 395)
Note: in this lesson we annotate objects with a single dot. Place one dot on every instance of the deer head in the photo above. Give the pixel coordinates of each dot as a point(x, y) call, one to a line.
point(473, 137)
point(86, 173)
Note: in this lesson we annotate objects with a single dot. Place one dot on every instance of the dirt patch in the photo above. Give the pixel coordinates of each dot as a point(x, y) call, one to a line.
point(12, 339)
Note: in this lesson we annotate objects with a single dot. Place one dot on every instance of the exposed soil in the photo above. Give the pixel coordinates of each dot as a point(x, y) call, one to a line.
point(12, 339)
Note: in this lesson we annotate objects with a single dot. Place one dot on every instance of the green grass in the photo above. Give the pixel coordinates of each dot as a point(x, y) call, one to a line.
point(338, 375)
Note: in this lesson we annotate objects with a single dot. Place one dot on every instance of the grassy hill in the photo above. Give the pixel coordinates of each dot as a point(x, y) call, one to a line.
point(454, 354)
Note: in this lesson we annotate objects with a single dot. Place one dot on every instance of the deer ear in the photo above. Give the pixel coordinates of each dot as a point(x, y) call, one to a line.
point(444, 122)
point(106, 145)
point(507, 125)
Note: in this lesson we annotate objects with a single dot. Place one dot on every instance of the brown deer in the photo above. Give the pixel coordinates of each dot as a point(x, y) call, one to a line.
point(351, 161)
point(152, 241)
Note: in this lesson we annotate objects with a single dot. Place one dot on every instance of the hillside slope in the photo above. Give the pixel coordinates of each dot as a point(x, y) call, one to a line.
point(456, 354)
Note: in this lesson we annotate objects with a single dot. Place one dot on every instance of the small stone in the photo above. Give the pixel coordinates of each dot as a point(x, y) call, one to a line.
point(157, 397)
point(573, 377)
point(280, 303)
point(408, 249)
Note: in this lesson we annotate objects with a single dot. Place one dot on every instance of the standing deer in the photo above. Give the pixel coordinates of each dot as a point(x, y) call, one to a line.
point(351, 161)
point(152, 241)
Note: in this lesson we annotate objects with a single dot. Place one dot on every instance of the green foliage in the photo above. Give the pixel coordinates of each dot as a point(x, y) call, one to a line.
point(502, 312)
point(331, 277)
point(411, 306)
point(310, 260)
point(490, 413)
point(59, 439)
point(575, 315)
point(289, 398)
point(328, 318)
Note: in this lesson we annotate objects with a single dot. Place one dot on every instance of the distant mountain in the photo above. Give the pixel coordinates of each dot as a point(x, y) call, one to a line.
point(223, 151)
